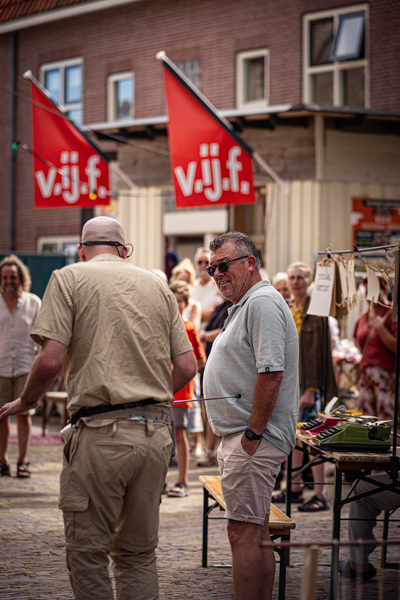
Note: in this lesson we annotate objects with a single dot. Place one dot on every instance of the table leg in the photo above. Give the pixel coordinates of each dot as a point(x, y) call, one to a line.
point(337, 507)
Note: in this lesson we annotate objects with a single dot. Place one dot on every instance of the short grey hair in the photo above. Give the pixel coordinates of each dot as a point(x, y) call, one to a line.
point(242, 243)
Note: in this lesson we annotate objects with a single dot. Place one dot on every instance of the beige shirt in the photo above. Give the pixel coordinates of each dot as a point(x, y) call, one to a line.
point(17, 349)
point(121, 327)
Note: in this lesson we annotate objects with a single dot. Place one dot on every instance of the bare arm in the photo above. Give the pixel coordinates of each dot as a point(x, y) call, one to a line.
point(44, 370)
point(387, 338)
point(195, 315)
point(184, 368)
point(265, 397)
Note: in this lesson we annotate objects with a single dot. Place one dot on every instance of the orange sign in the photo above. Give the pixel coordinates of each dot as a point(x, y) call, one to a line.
point(375, 222)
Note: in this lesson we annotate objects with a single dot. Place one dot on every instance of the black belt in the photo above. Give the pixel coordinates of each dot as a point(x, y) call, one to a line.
point(105, 408)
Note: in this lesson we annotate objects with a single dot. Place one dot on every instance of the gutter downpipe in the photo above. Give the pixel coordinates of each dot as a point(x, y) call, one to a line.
point(11, 152)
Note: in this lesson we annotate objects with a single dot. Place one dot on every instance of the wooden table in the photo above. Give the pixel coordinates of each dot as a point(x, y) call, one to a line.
point(352, 461)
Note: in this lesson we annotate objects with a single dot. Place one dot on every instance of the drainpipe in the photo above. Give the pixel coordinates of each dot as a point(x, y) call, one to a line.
point(11, 152)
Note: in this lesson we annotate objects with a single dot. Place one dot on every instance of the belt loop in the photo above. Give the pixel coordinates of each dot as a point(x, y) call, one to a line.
point(150, 427)
point(114, 429)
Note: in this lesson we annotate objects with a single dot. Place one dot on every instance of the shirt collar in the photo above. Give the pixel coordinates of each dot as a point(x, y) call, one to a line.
point(249, 292)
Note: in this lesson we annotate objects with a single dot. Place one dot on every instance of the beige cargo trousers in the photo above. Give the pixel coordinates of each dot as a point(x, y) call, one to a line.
point(110, 491)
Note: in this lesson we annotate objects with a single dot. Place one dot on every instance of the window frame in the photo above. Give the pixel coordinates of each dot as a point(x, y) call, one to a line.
point(111, 108)
point(336, 67)
point(61, 65)
point(241, 58)
point(192, 72)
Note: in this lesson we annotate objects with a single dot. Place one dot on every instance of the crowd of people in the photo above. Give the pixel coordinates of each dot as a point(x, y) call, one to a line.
point(141, 356)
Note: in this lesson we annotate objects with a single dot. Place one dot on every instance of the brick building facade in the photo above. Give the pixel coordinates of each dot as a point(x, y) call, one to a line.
point(111, 38)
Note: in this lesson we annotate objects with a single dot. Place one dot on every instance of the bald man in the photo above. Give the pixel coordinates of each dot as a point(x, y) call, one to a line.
point(115, 329)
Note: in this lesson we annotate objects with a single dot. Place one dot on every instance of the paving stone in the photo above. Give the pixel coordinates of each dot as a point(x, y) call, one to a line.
point(32, 548)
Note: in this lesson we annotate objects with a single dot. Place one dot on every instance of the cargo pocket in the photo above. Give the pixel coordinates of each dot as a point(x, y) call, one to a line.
point(74, 502)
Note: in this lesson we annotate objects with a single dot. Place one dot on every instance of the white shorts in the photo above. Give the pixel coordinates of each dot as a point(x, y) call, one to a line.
point(248, 481)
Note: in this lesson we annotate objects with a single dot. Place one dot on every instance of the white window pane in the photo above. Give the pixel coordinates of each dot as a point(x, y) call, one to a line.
point(73, 84)
point(321, 36)
point(75, 116)
point(353, 87)
point(348, 42)
point(124, 98)
point(52, 83)
point(254, 79)
point(322, 89)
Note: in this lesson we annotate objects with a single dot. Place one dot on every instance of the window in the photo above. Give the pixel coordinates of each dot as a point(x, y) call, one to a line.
point(252, 81)
point(120, 96)
point(59, 245)
point(334, 57)
point(63, 80)
point(192, 70)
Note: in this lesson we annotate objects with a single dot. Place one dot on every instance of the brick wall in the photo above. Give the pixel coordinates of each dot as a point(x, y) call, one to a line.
point(128, 38)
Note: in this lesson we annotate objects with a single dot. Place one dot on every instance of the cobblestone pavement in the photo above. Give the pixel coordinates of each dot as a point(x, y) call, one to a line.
point(32, 552)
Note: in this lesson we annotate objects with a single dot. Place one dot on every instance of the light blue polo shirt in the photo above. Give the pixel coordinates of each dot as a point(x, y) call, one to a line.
point(259, 336)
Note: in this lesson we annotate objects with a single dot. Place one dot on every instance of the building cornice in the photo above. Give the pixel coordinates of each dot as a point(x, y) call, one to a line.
point(65, 12)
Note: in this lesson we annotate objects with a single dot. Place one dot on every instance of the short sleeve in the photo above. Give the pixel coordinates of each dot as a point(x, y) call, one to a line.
point(198, 349)
point(267, 327)
point(56, 315)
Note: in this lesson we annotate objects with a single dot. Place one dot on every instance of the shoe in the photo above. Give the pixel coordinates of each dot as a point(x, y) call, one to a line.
point(297, 498)
point(208, 460)
point(346, 570)
point(314, 505)
point(22, 470)
point(4, 469)
point(178, 491)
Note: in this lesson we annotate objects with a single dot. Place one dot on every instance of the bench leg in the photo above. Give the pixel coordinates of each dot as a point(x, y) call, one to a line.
point(205, 528)
point(284, 561)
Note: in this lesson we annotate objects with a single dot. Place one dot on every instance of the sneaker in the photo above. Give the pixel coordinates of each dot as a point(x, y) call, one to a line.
point(4, 469)
point(208, 460)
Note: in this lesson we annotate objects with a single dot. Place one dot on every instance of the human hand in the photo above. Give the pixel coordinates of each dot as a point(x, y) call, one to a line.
point(378, 322)
point(307, 399)
point(249, 446)
point(14, 408)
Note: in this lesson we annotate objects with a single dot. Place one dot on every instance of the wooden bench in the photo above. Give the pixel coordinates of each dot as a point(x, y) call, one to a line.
point(279, 525)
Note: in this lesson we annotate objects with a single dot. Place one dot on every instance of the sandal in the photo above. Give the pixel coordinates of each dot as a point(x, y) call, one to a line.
point(314, 505)
point(178, 491)
point(346, 570)
point(22, 470)
point(297, 498)
point(4, 469)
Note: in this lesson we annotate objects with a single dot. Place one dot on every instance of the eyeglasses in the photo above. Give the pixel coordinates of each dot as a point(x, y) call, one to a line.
point(223, 266)
point(203, 262)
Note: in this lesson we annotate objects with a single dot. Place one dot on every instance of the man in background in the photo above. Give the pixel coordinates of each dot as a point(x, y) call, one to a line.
point(316, 377)
point(18, 311)
point(204, 289)
point(116, 329)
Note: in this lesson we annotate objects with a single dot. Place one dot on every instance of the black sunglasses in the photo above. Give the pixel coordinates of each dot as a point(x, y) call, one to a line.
point(223, 266)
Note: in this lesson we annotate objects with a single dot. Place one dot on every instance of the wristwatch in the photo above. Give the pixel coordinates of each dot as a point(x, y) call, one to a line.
point(252, 435)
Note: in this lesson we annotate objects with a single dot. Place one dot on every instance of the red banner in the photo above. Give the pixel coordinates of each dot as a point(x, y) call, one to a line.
point(68, 169)
point(210, 164)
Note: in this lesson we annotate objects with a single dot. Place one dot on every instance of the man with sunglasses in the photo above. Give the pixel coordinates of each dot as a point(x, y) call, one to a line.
point(253, 368)
point(115, 329)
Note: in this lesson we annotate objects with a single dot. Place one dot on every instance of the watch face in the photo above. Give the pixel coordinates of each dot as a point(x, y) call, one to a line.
point(249, 434)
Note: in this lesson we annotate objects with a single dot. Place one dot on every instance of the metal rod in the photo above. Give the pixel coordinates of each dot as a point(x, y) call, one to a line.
point(218, 398)
point(358, 250)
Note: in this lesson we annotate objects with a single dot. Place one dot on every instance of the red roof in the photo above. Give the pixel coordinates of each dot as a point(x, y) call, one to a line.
point(16, 9)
